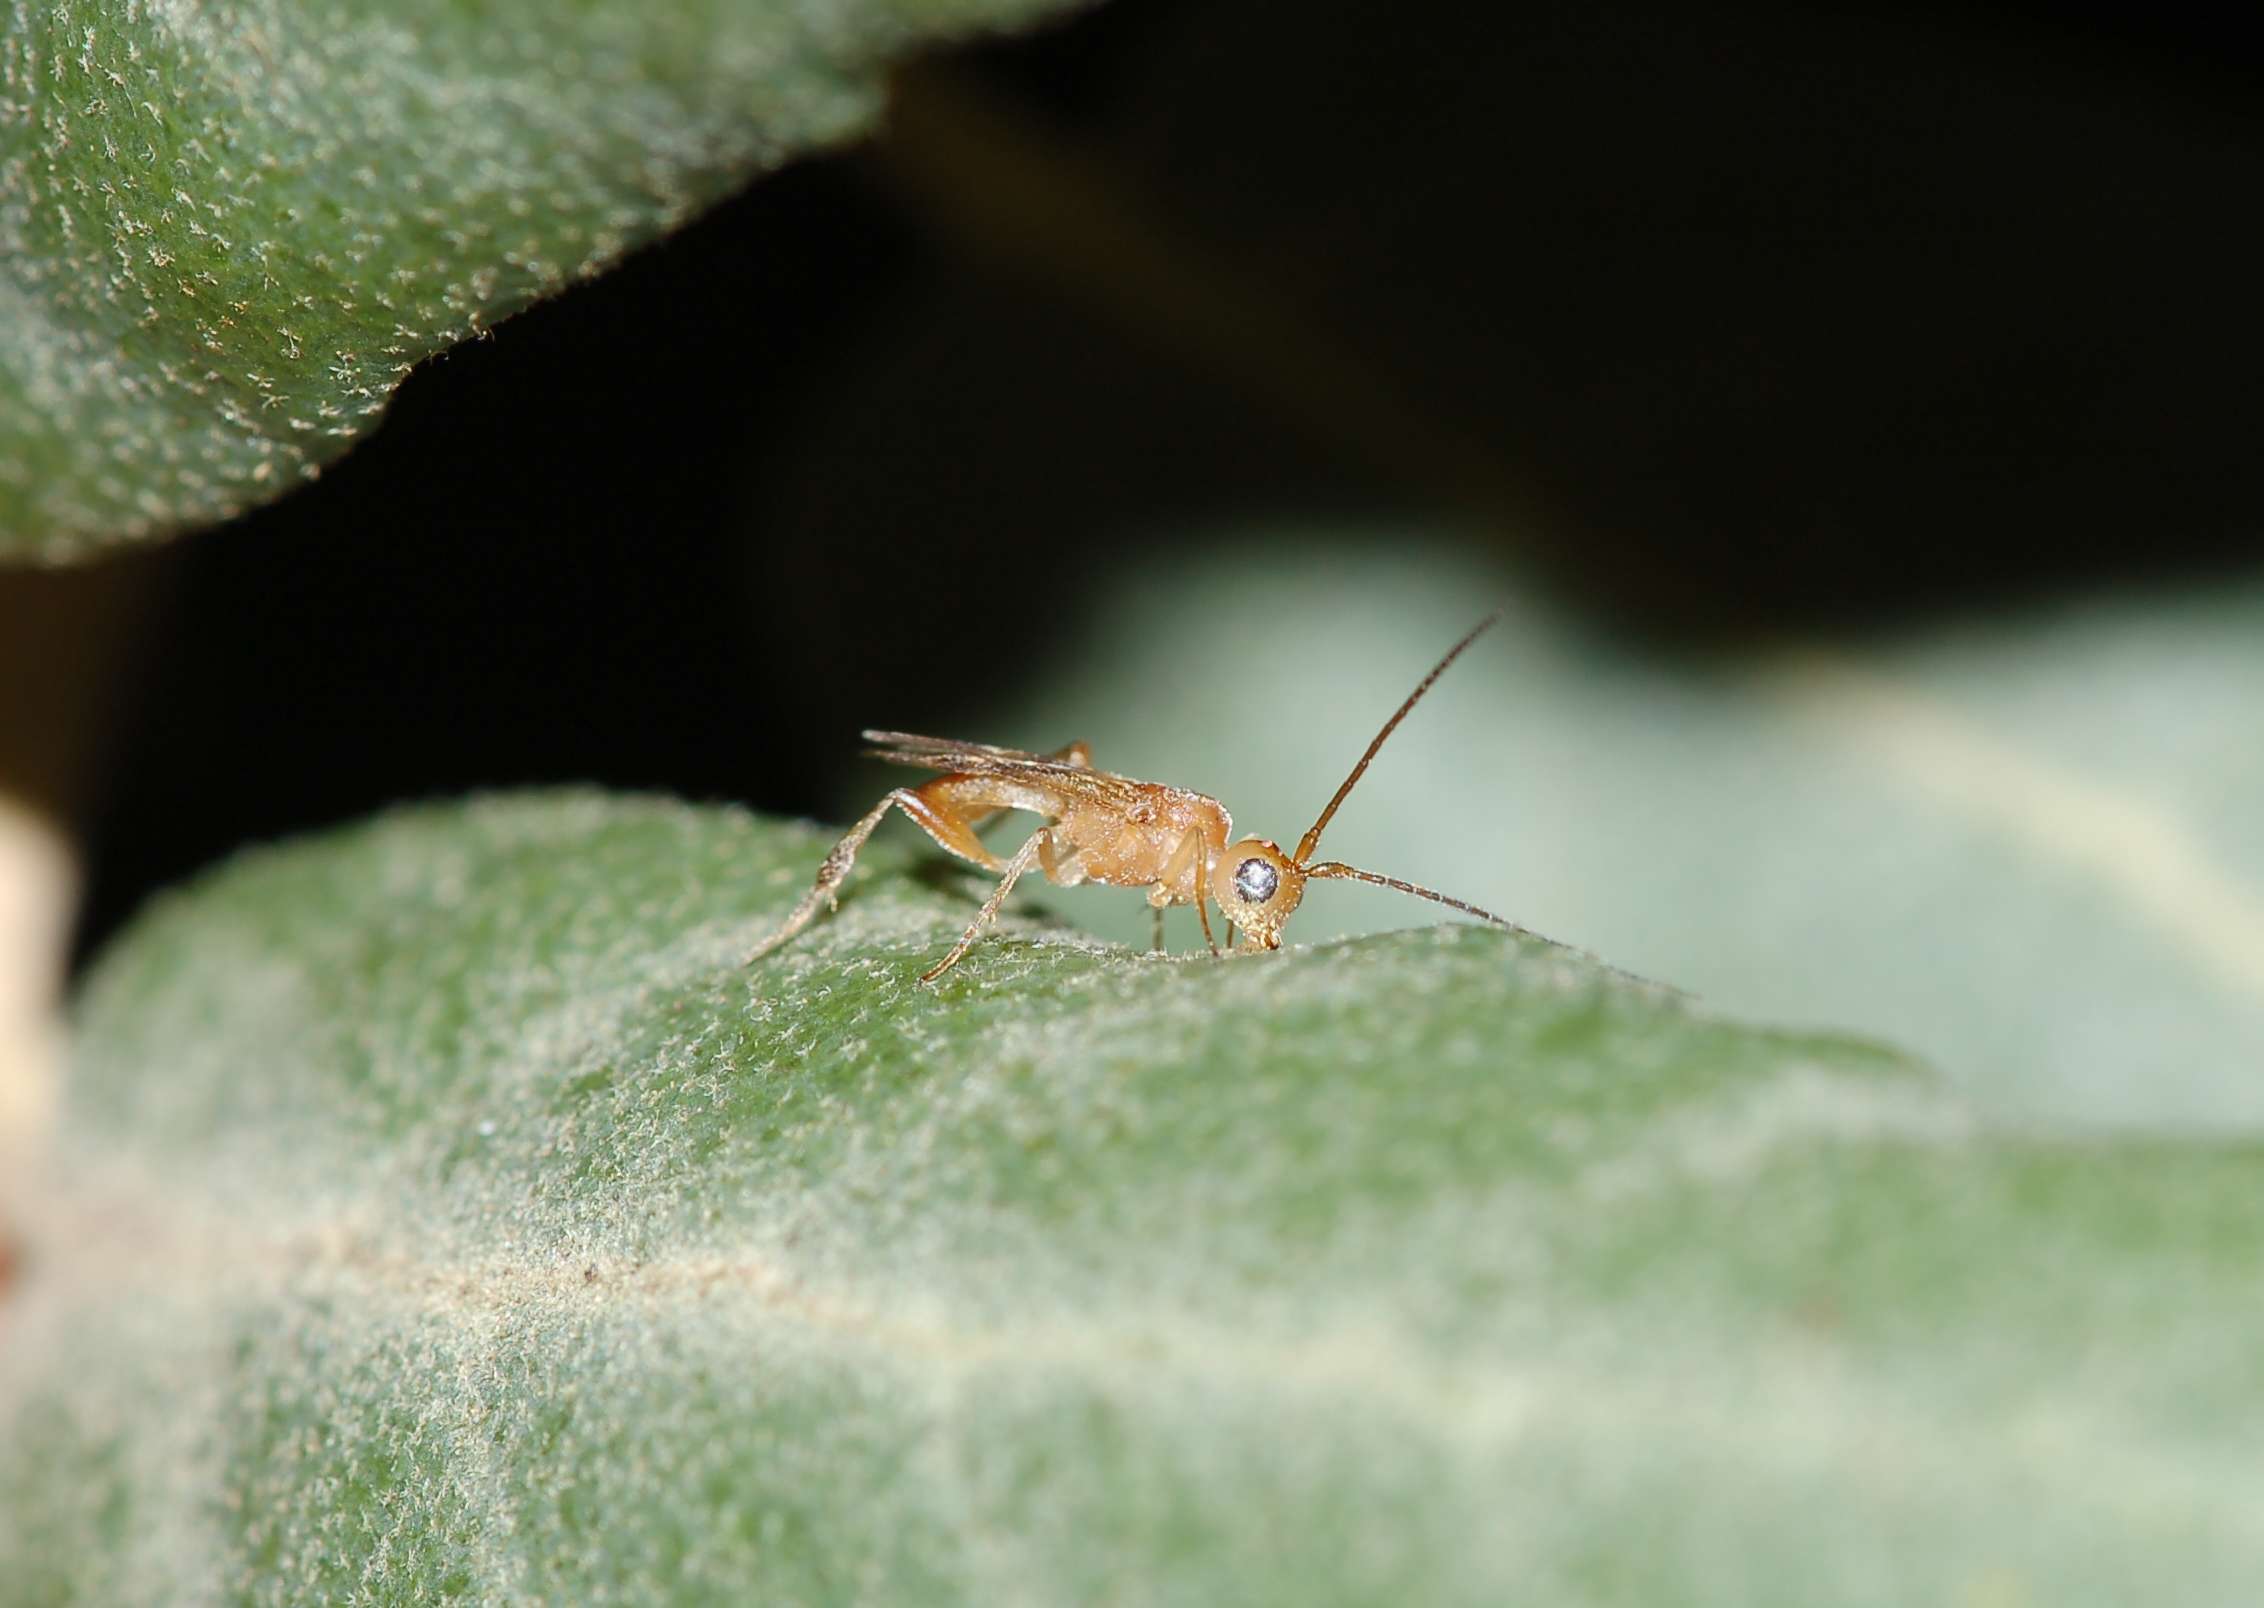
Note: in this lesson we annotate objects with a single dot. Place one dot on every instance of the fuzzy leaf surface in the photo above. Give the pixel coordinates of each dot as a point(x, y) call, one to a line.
point(443, 1212)
point(228, 229)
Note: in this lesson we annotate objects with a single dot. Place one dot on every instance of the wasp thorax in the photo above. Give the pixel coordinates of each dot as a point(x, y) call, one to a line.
point(1257, 886)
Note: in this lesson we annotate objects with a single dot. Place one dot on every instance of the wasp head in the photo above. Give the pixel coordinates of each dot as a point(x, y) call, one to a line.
point(1258, 887)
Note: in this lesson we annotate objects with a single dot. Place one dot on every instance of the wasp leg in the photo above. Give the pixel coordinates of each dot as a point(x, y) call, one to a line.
point(1155, 944)
point(933, 816)
point(1203, 913)
point(1190, 848)
point(1040, 844)
point(1061, 869)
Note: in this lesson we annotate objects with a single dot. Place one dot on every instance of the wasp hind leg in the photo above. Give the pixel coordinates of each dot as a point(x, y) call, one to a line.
point(933, 816)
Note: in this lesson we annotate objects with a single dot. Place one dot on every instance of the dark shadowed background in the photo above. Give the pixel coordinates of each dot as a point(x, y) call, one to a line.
point(1728, 326)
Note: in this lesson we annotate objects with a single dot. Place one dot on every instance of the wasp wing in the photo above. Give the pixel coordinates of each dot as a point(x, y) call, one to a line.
point(949, 753)
point(956, 758)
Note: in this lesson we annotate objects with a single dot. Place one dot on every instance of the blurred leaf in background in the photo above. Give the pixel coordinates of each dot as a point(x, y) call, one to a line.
point(2024, 844)
point(227, 231)
point(443, 1211)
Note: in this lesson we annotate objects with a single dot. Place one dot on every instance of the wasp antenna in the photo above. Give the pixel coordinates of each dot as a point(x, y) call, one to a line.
point(1312, 840)
point(1337, 868)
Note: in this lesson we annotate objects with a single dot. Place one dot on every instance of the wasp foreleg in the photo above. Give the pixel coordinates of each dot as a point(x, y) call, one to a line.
point(1190, 855)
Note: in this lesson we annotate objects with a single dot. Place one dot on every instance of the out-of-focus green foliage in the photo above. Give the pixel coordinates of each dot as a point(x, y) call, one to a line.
point(2024, 844)
point(443, 1211)
point(228, 229)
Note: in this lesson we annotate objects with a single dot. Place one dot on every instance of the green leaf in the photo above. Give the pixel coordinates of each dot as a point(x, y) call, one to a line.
point(443, 1211)
point(228, 229)
point(2024, 844)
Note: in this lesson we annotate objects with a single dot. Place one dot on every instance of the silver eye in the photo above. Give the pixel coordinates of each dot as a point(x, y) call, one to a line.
point(1256, 879)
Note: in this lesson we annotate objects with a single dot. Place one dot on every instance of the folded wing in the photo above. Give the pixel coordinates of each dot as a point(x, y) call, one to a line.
point(955, 758)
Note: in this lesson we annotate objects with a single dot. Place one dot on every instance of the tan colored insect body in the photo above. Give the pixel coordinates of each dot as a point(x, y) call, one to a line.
point(1107, 829)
